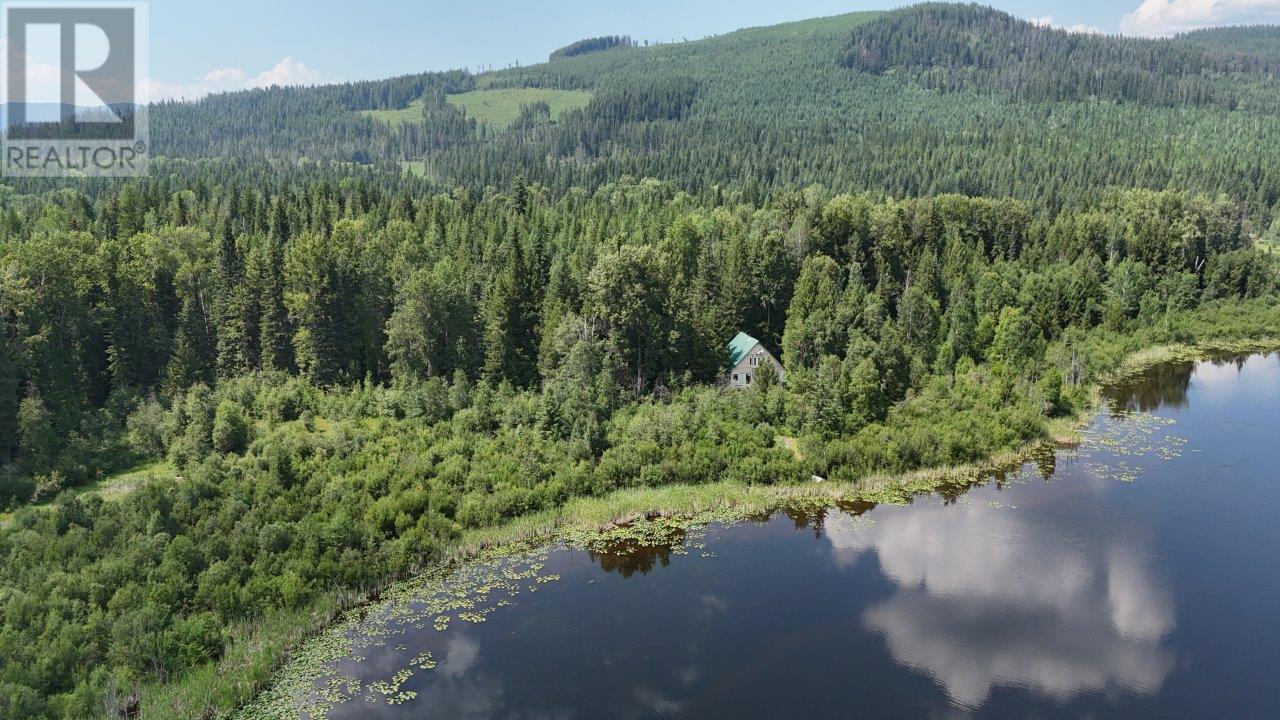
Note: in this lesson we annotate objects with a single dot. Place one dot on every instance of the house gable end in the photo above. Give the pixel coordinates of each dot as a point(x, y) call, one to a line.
point(746, 356)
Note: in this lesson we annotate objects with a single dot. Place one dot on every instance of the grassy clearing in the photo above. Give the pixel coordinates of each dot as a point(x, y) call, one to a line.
point(112, 487)
point(121, 484)
point(410, 114)
point(500, 108)
point(792, 444)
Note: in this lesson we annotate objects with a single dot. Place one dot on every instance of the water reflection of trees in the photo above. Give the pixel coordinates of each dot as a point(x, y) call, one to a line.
point(1043, 458)
point(627, 559)
point(1167, 384)
point(811, 518)
point(1164, 385)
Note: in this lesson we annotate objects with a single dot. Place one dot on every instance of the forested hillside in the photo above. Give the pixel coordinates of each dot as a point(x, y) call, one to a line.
point(1259, 40)
point(897, 103)
point(339, 342)
point(345, 375)
point(590, 45)
point(953, 48)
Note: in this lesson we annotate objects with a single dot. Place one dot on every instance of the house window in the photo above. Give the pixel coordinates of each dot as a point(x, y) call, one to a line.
point(748, 378)
point(755, 361)
point(735, 377)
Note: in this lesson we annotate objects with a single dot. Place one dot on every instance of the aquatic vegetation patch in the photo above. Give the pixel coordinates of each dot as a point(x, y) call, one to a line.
point(1113, 445)
point(312, 684)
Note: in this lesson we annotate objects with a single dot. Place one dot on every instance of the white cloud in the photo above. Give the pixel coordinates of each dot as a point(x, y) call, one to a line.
point(1047, 21)
point(286, 72)
point(223, 76)
point(44, 80)
point(1168, 17)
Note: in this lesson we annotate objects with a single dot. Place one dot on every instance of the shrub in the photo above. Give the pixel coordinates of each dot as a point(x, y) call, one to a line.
point(148, 429)
point(230, 428)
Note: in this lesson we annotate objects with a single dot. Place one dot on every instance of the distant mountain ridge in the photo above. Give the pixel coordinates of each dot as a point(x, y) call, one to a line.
point(952, 48)
point(1260, 40)
point(45, 112)
point(928, 99)
point(590, 45)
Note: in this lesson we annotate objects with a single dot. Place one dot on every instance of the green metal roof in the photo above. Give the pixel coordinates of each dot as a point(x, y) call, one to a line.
point(739, 347)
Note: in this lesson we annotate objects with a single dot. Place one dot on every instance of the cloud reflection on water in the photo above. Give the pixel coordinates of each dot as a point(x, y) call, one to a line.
point(990, 596)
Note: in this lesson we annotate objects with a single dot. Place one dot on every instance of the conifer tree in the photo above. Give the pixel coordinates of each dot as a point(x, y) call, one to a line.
point(273, 330)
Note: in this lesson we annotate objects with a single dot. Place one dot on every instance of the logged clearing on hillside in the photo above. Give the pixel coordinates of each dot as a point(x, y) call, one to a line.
point(501, 107)
point(412, 113)
point(498, 108)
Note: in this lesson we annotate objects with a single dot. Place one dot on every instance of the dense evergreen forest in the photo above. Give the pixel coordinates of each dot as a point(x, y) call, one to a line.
point(953, 48)
point(330, 365)
point(1260, 40)
point(590, 45)
point(895, 103)
point(343, 377)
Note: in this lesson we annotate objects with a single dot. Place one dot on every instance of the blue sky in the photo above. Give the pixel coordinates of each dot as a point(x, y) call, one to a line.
point(199, 46)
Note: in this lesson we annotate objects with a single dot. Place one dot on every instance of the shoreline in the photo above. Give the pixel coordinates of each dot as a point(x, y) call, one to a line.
point(643, 516)
point(1141, 361)
point(586, 520)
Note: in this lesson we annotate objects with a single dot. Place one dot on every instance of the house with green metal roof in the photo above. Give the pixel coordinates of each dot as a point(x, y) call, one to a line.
point(746, 356)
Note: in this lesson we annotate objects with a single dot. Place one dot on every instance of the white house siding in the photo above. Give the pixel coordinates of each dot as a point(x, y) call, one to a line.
point(744, 373)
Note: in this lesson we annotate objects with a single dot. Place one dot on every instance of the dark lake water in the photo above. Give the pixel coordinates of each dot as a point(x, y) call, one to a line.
point(1135, 577)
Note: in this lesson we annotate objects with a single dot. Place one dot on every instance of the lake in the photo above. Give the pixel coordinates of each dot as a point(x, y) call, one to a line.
point(1132, 577)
